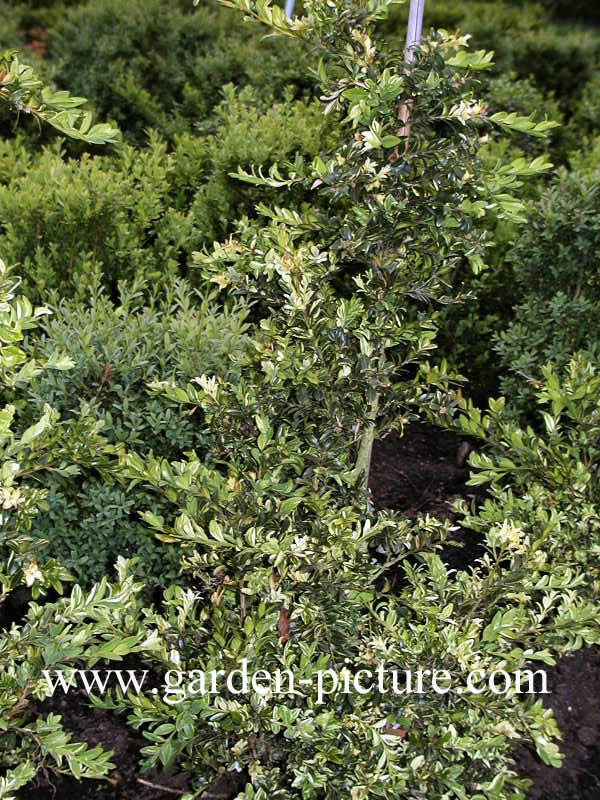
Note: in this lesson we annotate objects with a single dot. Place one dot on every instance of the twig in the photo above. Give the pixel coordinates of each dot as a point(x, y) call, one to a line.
point(161, 788)
point(283, 626)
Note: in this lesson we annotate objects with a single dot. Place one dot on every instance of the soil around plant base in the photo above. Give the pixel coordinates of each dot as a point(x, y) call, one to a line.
point(575, 700)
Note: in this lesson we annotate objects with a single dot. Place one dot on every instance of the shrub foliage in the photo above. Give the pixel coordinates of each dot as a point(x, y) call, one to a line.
point(248, 457)
point(116, 350)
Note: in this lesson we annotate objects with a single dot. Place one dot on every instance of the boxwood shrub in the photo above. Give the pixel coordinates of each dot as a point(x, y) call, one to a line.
point(116, 350)
point(142, 211)
point(555, 269)
point(147, 63)
point(63, 221)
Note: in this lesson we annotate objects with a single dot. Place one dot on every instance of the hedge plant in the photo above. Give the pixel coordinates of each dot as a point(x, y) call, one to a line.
point(141, 212)
point(554, 265)
point(163, 65)
point(63, 221)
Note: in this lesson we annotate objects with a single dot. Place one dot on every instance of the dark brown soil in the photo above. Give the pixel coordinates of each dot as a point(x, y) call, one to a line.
point(575, 700)
point(422, 472)
point(98, 727)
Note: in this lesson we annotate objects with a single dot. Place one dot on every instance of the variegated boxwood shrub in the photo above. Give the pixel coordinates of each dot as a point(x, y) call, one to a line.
point(289, 566)
point(286, 563)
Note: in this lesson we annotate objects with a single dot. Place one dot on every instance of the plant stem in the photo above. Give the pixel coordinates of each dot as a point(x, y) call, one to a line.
point(363, 461)
point(413, 38)
point(168, 789)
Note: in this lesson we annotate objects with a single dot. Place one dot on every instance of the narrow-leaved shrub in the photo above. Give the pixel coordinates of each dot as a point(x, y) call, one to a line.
point(289, 566)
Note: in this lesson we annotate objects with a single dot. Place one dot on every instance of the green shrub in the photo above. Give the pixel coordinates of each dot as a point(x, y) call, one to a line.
point(585, 121)
point(288, 558)
point(116, 350)
point(466, 331)
point(65, 221)
point(15, 159)
point(545, 331)
point(20, 18)
point(578, 9)
point(555, 270)
point(248, 129)
point(142, 212)
point(553, 476)
point(163, 65)
point(520, 95)
point(586, 161)
point(486, 22)
point(11, 33)
point(61, 634)
point(561, 61)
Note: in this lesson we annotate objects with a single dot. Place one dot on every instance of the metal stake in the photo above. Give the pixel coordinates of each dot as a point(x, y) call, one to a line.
point(415, 26)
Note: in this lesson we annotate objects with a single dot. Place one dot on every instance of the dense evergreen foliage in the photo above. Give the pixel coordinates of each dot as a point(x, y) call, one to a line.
point(256, 254)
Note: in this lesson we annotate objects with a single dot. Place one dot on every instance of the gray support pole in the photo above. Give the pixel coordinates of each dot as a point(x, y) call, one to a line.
point(289, 8)
point(415, 26)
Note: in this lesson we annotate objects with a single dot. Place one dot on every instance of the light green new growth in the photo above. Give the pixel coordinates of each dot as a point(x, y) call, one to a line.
point(23, 89)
